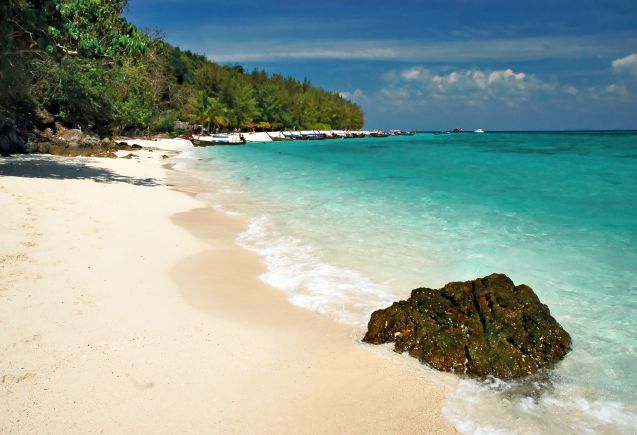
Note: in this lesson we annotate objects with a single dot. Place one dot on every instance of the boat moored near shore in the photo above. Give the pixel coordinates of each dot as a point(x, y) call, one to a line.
point(238, 138)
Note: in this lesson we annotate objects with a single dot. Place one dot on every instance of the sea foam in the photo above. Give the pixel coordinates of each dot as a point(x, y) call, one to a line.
point(494, 406)
point(345, 226)
point(310, 282)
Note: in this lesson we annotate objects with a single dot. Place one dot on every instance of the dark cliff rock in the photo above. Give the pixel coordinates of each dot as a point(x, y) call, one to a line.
point(11, 141)
point(57, 140)
point(487, 326)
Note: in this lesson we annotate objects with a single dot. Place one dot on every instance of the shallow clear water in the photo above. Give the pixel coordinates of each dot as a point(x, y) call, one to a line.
point(347, 226)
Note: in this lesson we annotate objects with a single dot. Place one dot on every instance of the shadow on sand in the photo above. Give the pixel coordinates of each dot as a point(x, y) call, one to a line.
point(58, 169)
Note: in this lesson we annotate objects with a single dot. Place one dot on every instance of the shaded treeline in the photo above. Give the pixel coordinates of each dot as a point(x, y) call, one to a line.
point(80, 63)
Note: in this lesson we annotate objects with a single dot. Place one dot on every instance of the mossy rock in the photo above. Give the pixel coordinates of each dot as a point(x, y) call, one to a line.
point(487, 326)
point(125, 146)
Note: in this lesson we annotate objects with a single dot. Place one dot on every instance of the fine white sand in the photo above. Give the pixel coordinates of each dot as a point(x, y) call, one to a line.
point(177, 144)
point(126, 307)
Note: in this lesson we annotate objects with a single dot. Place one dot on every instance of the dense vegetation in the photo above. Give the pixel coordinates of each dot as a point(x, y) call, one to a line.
point(80, 63)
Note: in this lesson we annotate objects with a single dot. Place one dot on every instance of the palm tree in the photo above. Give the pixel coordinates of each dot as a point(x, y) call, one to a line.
point(216, 114)
point(200, 105)
point(208, 110)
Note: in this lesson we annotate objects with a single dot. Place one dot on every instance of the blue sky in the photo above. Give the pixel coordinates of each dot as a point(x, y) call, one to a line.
point(431, 65)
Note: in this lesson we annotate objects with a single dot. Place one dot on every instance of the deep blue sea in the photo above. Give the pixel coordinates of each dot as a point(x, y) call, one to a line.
point(348, 226)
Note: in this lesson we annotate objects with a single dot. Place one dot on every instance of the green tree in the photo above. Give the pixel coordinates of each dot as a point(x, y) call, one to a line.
point(208, 111)
point(95, 28)
point(72, 91)
point(23, 39)
point(237, 94)
point(84, 63)
point(89, 34)
point(131, 97)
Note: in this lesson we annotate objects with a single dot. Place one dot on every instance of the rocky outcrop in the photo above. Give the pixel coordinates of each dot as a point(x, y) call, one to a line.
point(74, 138)
point(72, 142)
point(57, 140)
point(11, 141)
point(126, 146)
point(487, 326)
point(76, 142)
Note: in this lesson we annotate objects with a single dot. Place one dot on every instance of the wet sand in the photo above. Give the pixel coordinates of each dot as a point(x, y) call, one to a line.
point(126, 306)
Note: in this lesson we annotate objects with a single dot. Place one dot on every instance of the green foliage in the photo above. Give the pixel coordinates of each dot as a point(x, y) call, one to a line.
point(72, 91)
point(177, 133)
point(83, 63)
point(164, 122)
point(22, 38)
point(96, 28)
point(131, 96)
point(319, 126)
point(238, 95)
point(208, 111)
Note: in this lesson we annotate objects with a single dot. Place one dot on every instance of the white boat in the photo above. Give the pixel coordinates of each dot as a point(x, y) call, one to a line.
point(231, 138)
point(260, 136)
point(478, 131)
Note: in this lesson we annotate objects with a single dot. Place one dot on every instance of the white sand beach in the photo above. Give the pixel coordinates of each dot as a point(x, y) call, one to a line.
point(127, 307)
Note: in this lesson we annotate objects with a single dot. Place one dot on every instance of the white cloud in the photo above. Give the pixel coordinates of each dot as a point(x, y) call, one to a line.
point(412, 73)
point(357, 95)
point(616, 89)
point(570, 89)
point(470, 80)
point(454, 50)
point(417, 86)
point(627, 63)
point(506, 75)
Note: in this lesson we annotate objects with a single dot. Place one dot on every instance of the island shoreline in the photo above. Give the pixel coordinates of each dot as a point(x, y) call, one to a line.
point(243, 360)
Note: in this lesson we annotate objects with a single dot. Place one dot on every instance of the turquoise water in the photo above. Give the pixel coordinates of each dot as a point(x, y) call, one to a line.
point(347, 226)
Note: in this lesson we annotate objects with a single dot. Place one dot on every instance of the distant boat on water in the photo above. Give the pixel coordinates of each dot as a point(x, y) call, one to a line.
point(379, 133)
point(455, 130)
point(401, 133)
point(478, 131)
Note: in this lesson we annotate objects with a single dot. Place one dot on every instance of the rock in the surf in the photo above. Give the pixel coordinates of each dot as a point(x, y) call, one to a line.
point(487, 326)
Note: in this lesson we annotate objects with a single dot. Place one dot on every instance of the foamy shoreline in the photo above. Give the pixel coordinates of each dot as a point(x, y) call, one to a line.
point(127, 306)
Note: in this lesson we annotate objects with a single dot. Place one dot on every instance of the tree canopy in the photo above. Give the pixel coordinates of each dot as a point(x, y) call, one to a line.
point(83, 64)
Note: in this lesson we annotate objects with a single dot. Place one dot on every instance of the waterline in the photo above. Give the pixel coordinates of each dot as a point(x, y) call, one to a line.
point(349, 226)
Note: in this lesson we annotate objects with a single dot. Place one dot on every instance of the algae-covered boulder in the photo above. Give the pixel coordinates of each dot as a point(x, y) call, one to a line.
point(487, 326)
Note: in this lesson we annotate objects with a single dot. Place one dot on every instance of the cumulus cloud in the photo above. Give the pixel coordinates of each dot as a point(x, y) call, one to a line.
point(357, 95)
point(626, 64)
point(412, 73)
point(470, 79)
point(616, 89)
point(471, 86)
